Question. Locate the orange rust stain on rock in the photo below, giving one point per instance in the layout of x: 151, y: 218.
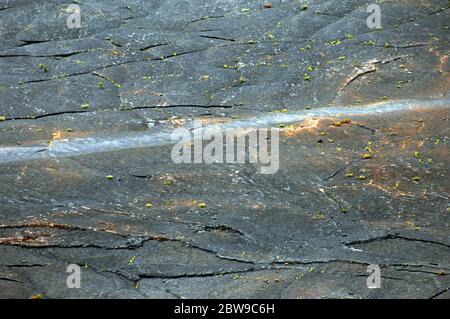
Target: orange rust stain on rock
x: 28, y: 240
x: 442, y: 62
x: 59, y: 135
x: 63, y: 173
x: 307, y: 125
x: 211, y: 120
x: 181, y: 203
x: 108, y: 227
x: 37, y: 225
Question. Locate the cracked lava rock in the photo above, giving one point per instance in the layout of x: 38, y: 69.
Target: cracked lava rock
x: 87, y: 177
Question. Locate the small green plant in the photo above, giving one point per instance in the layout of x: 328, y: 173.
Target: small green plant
x: 43, y: 67
x: 369, y: 42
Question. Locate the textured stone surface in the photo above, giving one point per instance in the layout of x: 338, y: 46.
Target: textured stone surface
x: 145, y: 67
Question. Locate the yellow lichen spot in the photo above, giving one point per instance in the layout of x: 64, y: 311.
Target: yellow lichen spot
x: 202, y: 205
x: 337, y: 124
x: 319, y: 216
x: 362, y: 177
x: 367, y: 156
x: 416, y: 178
x: 149, y: 205
x: 269, y: 35
x: 2, y: 118
x: 109, y: 177
x: 349, y: 174
x: 56, y: 135
x: 346, y: 120
x: 84, y: 106
x: 412, y: 225
x: 205, y: 77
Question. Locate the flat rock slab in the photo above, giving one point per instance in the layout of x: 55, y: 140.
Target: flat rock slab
x: 85, y: 114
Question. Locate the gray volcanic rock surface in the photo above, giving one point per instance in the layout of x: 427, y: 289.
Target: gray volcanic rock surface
x: 84, y: 119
